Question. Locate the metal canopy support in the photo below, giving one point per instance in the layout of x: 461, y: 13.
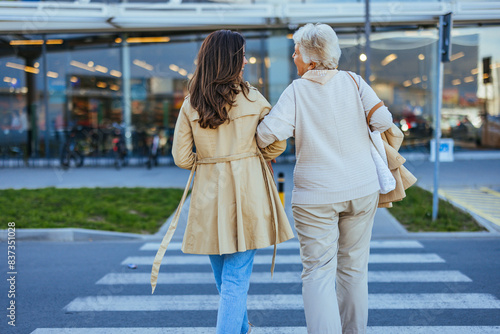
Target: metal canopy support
x: 24, y: 16
x: 32, y: 147
x: 368, y: 29
x: 126, y: 88
x: 46, y: 96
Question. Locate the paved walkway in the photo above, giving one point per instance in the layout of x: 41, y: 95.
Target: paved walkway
x: 484, y: 201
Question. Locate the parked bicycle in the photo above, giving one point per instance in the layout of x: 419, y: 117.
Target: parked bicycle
x: 119, y: 148
x: 154, y: 149
x: 71, y: 151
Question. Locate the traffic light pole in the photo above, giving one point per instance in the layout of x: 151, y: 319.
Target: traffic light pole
x: 437, y: 136
x: 444, y: 50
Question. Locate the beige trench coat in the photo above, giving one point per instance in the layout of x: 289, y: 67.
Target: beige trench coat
x: 231, y: 204
x: 235, y: 205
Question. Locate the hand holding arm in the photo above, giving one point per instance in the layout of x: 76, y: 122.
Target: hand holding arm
x: 274, y: 150
x: 182, y: 147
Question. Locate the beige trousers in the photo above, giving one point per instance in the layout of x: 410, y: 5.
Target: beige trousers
x: 334, y: 248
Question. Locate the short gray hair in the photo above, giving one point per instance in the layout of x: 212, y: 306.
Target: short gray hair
x: 318, y: 43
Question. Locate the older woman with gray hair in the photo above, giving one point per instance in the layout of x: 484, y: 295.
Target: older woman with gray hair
x: 336, y: 187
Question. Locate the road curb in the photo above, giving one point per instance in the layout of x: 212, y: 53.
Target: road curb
x: 491, y: 227
x: 402, y: 233
x: 398, y: 231
x: 81, y: 234
x: 69, y: 234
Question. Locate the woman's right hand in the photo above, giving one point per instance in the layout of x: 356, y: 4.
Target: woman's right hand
x: 269, y: 163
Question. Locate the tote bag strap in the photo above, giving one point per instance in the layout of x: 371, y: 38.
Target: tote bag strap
x: 353, y: 79
x: 379, y: 147
x: 372, y: 110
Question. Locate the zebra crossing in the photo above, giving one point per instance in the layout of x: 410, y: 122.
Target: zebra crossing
x: 273, y: 296
x: 275, y: 330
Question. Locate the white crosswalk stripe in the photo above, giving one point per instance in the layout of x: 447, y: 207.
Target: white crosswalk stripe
x: 187, y: 259
x: 435, y: 330
x: 374, y: 244
x: 282, y: 302
x: 274, y: 330
x: 284, y: 277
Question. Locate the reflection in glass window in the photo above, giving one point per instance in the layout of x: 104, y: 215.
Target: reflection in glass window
x: 86, y: 83
x: 401, y: 74
x: 159, y: 76
x: 14, y: 123
x: 471, y: 103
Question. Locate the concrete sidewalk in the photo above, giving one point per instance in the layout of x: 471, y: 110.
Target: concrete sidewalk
x: 385, y: 226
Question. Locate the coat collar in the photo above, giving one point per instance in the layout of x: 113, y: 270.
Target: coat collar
x: 320, y: 76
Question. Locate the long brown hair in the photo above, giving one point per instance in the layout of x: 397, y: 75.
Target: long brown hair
x: 216, y: 80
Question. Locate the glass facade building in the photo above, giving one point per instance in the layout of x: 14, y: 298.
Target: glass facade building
x: 94, y: 83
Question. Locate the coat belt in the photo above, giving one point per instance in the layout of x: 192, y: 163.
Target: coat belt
x: 173, y: 224
x: 227, y: 158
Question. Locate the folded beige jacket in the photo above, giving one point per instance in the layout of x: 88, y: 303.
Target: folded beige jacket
x: 393, y: 137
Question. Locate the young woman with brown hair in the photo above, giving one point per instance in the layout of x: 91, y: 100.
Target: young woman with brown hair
x: 235, y: 207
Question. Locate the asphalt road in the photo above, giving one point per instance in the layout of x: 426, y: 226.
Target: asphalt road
x: 450, y: 287
x: 459, y: 173
x: 56, y: 288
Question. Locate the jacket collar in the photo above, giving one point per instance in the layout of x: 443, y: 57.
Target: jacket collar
x: 320, y: 76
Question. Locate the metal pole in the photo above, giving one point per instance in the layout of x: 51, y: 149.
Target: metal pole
x: 46, y: 98
x: 437, y: 121
x: 485, y: 133
x: 32, y: 147
x: 358, y: 47
x: 263, y: 69
x: 126, y: 98
x: 368, y: 29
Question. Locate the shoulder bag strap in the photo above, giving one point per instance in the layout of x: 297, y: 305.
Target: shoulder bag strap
x: 372, y: 110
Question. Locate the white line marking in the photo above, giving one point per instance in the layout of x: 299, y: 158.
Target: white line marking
x: 423, y: 276
x: 405, y: 258
x: 433, y: 301
x: 278, y: 302
x: 153, y: 246
x: 376, y: 244
x: 274, y: 330
x: 434, y: 330
x: 282, y: 259
x: 395, y: 244
x: 283, y: 277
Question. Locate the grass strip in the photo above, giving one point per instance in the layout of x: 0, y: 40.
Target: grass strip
x: 415, y: 213
x: 144, y: 210
x: 135, y: 210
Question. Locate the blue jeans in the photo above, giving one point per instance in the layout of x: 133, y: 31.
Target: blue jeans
x: 232, y: 277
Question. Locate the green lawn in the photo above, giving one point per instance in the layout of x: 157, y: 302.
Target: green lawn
x: 415, y: 213
x: 137, y: 210
x: 144, y: 210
